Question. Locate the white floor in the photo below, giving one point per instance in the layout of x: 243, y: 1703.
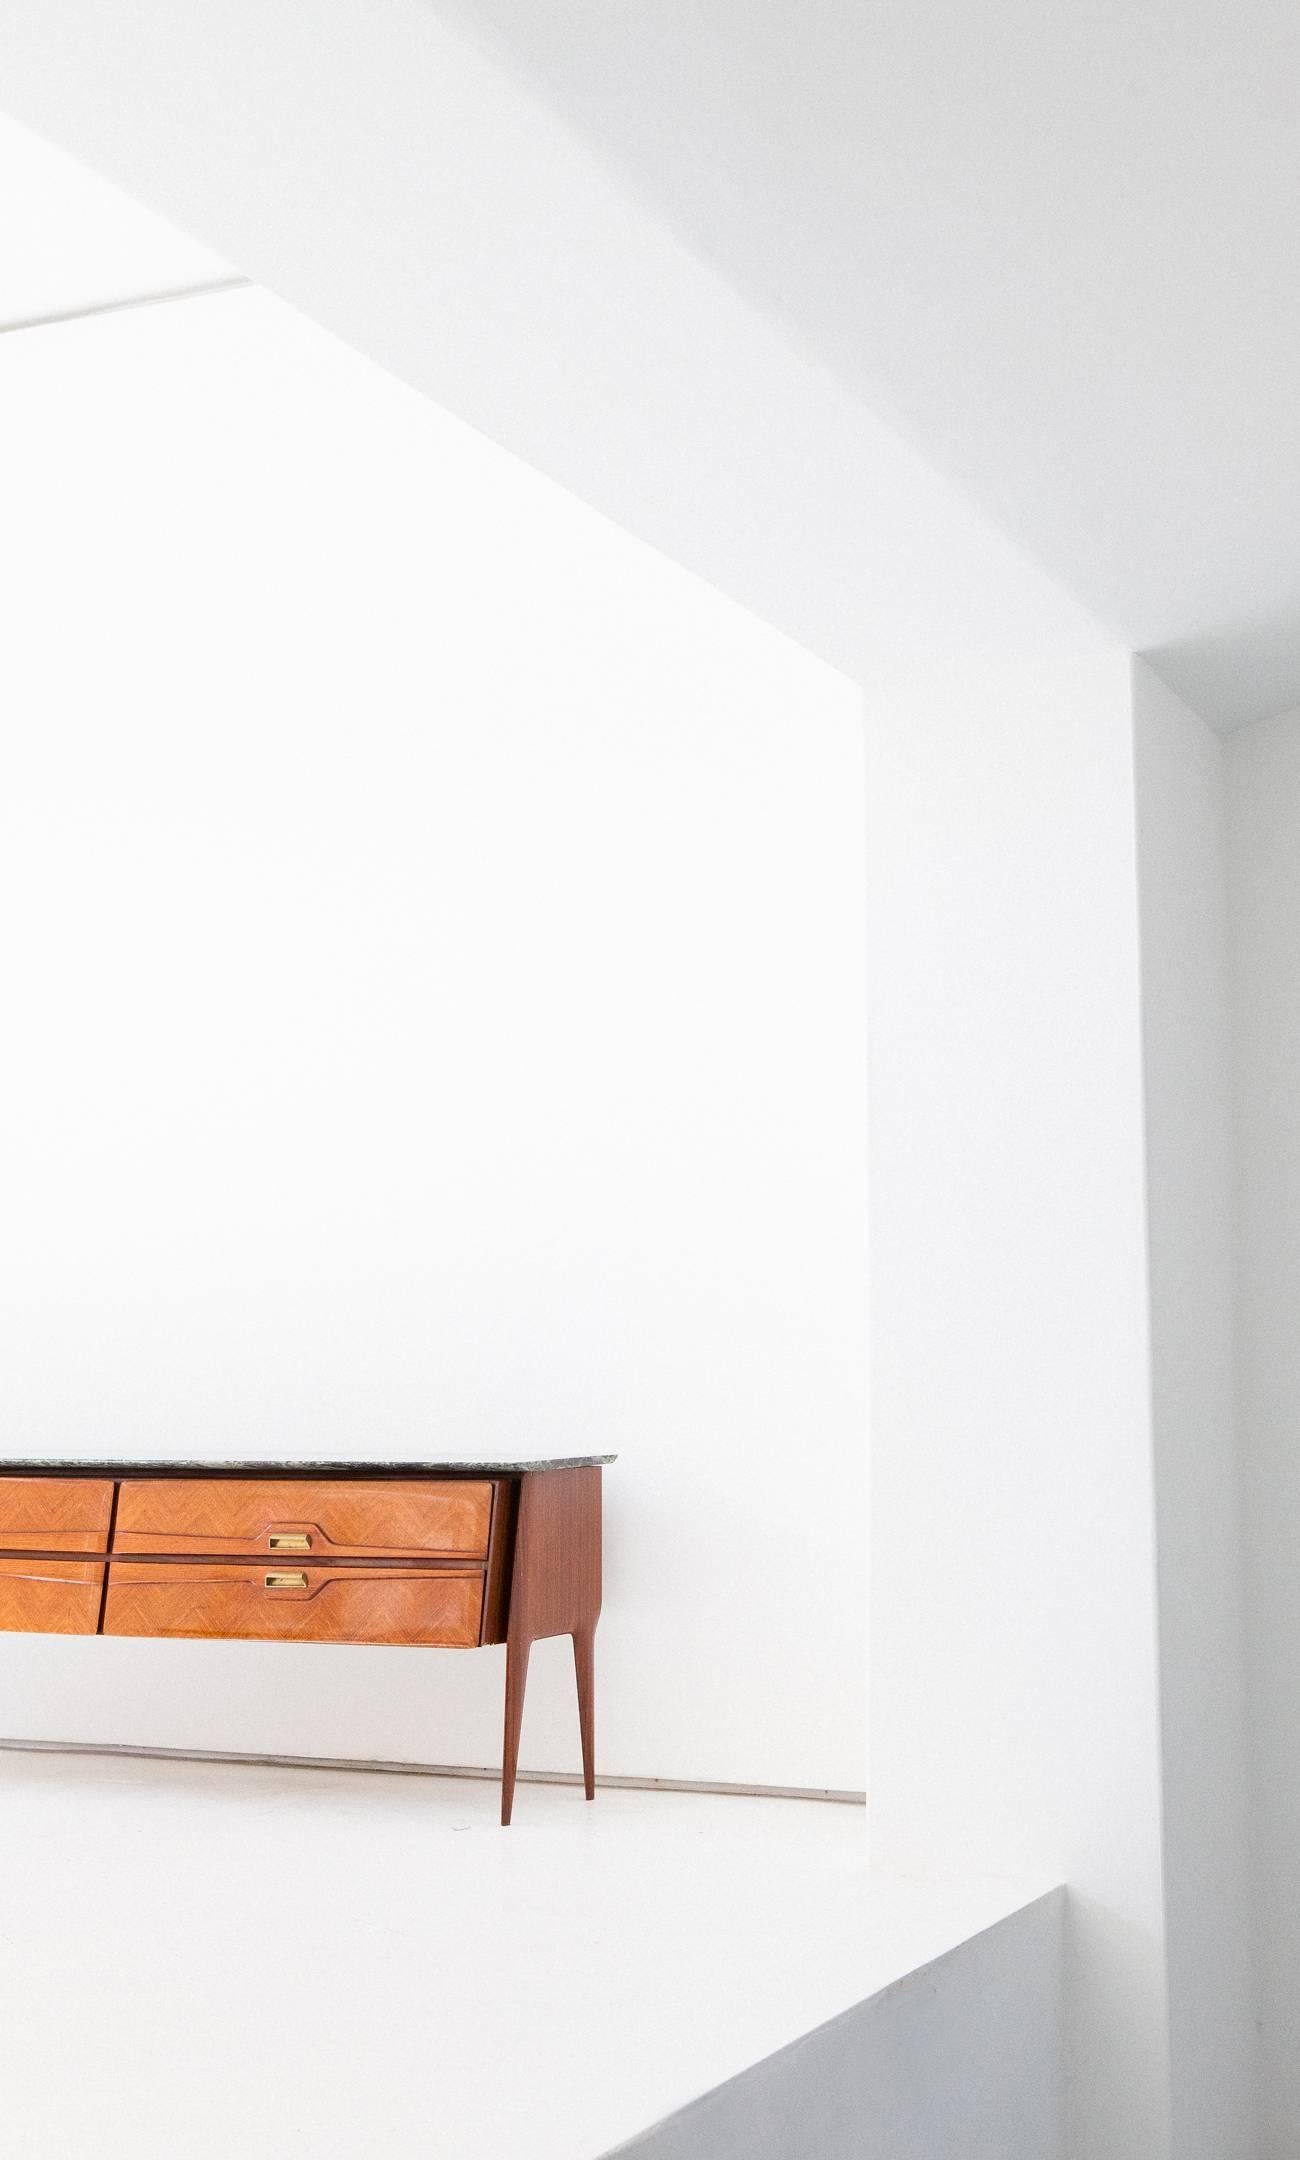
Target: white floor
x: 200, y: 1960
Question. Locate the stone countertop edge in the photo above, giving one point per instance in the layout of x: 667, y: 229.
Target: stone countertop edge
x: 269, y: 1466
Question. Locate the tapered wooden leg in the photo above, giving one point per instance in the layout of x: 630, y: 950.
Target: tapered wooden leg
x: 584, y: 1658
x: 516, y: 1682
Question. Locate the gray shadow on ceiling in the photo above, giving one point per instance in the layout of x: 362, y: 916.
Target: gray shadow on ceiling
x: 1239, y: 673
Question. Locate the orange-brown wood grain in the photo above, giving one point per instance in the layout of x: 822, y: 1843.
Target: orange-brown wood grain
x: 55, y: 1514
x: 357, y: 1519
x: 50, y: 1597
x: 438, y: 1558
x: 232, y: 1600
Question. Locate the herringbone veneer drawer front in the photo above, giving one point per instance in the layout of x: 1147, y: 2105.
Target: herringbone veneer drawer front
x: 50, y: 1597
x: 55, y: 1514
x: 294, y: 1604
x: 292, y: 1517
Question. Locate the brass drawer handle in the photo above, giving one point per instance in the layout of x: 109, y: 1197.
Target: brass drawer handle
x: 286, y: 1582
x: 290, y: 1541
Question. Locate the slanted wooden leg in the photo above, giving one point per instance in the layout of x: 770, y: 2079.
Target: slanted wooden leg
x: 584, y: 1658
x: 516, y: 1681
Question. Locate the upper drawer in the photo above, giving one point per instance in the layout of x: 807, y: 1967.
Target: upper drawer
x: 362, y: 1519
x: 55, y: 1514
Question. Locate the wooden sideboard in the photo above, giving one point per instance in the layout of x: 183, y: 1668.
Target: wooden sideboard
x: 419, y: 1555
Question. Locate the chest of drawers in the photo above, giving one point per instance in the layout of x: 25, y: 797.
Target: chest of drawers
x: 413, y: 1555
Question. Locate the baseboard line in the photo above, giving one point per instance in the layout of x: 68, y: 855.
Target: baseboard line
x: 720, y: 1788
x: 92, y: 308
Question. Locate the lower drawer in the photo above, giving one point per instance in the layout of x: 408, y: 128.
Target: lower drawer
x: 288, y: 1604
x: 50, y: 1597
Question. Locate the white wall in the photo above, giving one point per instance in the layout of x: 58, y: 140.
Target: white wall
x: 434, y: 992
x: 1264, y: 829
x: 370, y: 166
x: 72, y: 241
x: 1182, y: 859
x: 1013, y: 1619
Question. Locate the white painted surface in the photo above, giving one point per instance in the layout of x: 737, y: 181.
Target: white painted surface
x: 959, y: 2061
x: 1013, y: 1670
x: 69, y: 240
x: 289, y: 1969
x: 373, y: 168
x: 399, y: 188
x: 1073, y: 295
x: 1182, y: 862
x: 1072, y: 292
x: 434, y: 984
x: 1264, y: 827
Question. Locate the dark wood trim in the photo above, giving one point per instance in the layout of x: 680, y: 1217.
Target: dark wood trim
x: 447, y: 1565
x: 112, y: 1525
x: 501, y: 1553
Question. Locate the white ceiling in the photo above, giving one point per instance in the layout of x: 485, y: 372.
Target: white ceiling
x: 364, y: 161
x: 70, y: 242
x: 1053, y: 246
x: 1057, y: 245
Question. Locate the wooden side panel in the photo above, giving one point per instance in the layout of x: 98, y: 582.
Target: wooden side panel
x: 555, y: 1588
x: 333, y: 1519
x: 288, y: 1604
x: 55, y: 1514
x: 50, y: 1597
